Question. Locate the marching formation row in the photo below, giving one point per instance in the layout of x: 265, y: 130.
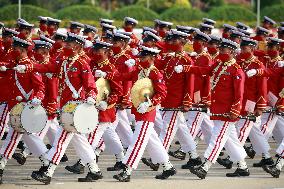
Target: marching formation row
x: 93, y: 87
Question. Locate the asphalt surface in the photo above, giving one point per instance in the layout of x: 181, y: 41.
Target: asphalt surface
x: 16, y: 176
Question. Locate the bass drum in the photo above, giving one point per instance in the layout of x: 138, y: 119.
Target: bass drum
x: 79, y: 117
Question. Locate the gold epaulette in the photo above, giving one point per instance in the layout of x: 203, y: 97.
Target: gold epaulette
x: 237, y: 66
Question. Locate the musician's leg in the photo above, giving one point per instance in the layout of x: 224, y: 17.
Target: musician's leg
x: 278, y: 131
x: 123, y: 128
x: 158, y: 124
x: 53, y: 128
x: 243, y: 127
x: 95, y: 136
x: 194, y: 120
x: 206, y: 128
x: 4, y: 117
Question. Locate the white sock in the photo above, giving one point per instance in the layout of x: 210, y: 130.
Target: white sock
x: 44, y: 161
x: 81, y: 163
x: 266, y: 155
x: 193, y: 154
x: 98, y: 151
x: 206, y: 165
x: 50, y: 170
x: 167, y: 165
x: 26, y: 152
x: 93, y: 167
x: 119, y: 156
x: 3, y: 162
x: 279, y: 163
x: 128, y: 170
x: 242, y: 164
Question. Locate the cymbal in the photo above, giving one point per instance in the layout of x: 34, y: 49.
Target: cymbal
x: 141, y: 89
x: 103, y: 88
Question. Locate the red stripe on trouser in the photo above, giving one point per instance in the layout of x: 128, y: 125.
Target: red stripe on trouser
x: 171, y: 131
x: 2, y: 122
x: 59, y: 141
x: 194, y: 124
x: 60, y: 150
x: 264, y: 126
x: 101, y: 143
x: 136, y: 143
x: 164, y: 114
x: 242, y: 130
x: 13, y: 146
x: 92, y: 135
x: 199, y: 134
x: 282, y: 153
x: 140, y: 145
x: 11, y: 141
x: 220, y: 136
x: 169, y: 127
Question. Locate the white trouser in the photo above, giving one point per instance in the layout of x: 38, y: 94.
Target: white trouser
x: 268, y: 121
x: 123, y: 128
x: 278, y: 131
x: 52, y: 130
x: 258, y: 140
x: 280, y: 149
x: 145, y: 136
x: 82, y: 147
x: 206, y: 128
x: 224, y: 134
x: 158, y: 124
x: 175, y: 124
x: 4, y: 117
x: 244, y: 127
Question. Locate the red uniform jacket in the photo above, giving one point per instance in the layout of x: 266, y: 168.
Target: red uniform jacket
x: 227, y: 87
x: 275, y: 73
x: 160, y: 89
x: 118, y: 61
x: 255, y: 87
x: 79, y: 74
x: 31, y: 83
x: 108, y: 115
x: 180, y: 86
x: 202, y: 82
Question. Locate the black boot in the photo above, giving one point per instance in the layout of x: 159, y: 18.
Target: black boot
x: 117, y: 167
x: 178, y: 154
x: 1, y: 175
x: 122, y: 177
x: 41, y: 177
x: 91, y: 177
x: 227, y: 163
x: 238, y: 173
x: 77, y: 168
x: 191, y: 163
x: 4, y: 135
x: 199, y: 172
x: 250, y: 152
x: 20, y: 158
x: 166, y: 174
x: 268, y: 161
x: 271, y: 169
x: 64, y: 158
x: 150, y: 164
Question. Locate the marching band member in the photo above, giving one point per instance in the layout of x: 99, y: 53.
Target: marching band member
x: 144, y: 136
x: 22, y: 87
x: 52, y: 26
x: 75, y: 83
x: 227, y: 87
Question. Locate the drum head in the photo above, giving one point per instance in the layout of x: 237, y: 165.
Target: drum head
x: 33, y: 118
x: 85, y: 118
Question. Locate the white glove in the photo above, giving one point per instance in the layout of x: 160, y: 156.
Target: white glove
x: 143, y: 107
x: 20, y: 68
x: 3, y: 68
x: 193, y: 54
x: 280, y: 64
x: 251, y: 72
x: 102, y: 105
x: 178, y: 68
x: 100, y: 73
x: 35, y: 101
x: 134, y: 52
x: 130, y: 63
x: 91, y: 101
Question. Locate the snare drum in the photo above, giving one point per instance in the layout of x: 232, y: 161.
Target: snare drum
x: 79, y: 117
x: 25, y: 117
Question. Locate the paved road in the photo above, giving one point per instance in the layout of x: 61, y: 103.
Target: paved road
x: 16, y: 176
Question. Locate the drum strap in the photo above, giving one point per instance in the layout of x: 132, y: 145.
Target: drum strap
x: 68, y: 83
x: 21, y: 89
